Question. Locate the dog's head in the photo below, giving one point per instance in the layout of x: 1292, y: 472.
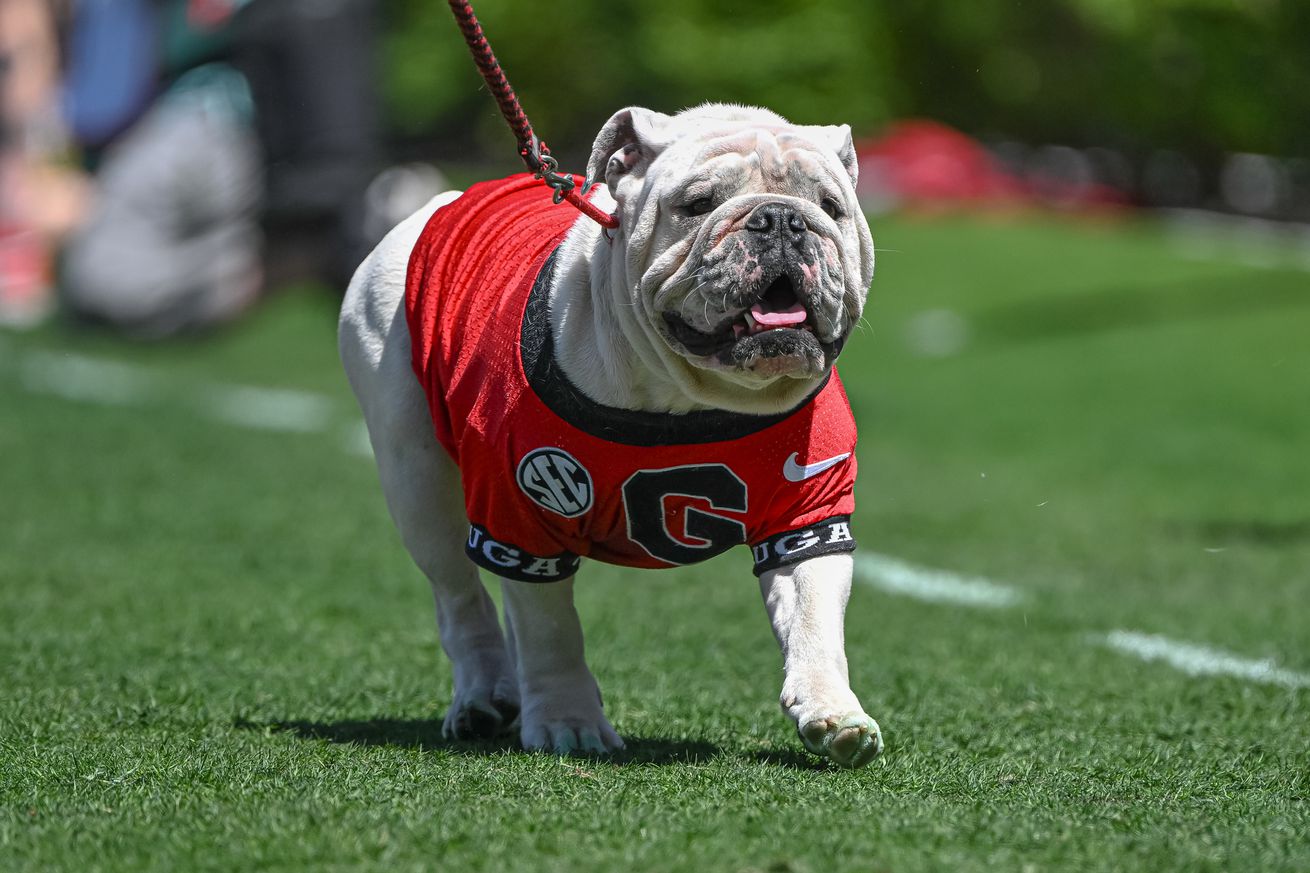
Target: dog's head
x: 746, y: 250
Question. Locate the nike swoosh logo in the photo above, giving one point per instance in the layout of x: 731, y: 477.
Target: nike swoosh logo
x: 794, y: 471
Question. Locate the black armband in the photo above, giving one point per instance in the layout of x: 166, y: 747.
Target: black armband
x: 827, y: 537
x: 511, y: 562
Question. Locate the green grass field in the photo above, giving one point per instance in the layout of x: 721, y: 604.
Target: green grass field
x: 217, y: 656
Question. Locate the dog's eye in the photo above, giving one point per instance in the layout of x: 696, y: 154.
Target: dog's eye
x: 831, y: 206
x: 702, y: 206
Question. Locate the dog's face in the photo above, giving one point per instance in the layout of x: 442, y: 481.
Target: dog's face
x: 746, y: 252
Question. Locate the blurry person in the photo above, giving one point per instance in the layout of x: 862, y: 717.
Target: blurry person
x: 209, y: 125
x: 172, y: 242
x: 41, y: 197
x: 267, y: 130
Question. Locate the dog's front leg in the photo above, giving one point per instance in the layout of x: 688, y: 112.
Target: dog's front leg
x: 807, y: 606
x: 561, y: 702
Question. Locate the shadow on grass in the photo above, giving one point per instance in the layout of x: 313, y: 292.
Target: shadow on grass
x: 792, y: 759
x: 1254, y: 531
x: 425, y: 734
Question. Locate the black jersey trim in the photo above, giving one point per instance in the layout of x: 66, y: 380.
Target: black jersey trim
x: 625, y: 426
x: 828, y: 537
x: 511, y: 562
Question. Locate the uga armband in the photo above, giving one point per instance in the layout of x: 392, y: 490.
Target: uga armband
x: 827, y: 537
x: 511, y: 562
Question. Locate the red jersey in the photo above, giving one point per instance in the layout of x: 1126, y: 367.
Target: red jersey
x: 549, y: 475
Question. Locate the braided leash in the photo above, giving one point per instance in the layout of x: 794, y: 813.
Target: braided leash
x: 533, y: 151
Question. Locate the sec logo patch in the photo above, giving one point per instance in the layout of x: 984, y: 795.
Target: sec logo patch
x: 554, y: 480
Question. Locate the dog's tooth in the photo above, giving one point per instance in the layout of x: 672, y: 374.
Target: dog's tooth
x: 751, y: 326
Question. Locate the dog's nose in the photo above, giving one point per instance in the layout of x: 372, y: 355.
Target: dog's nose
x: 768, y: 217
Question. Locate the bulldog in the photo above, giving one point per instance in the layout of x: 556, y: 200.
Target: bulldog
x: 538, y: 390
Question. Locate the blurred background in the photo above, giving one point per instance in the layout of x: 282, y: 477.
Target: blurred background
x: 167, y: 162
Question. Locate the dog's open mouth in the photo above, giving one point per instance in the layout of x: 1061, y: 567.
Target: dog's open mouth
x: 777, y: 323
x: 777, y: 308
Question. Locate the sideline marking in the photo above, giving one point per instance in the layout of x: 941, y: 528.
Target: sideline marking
x: 940, y: 586
x: 88, y: 380
x: 106, y: 382
x: 1198, y: 660
x: 268, y: 408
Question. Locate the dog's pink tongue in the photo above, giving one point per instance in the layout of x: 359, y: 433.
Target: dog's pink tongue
x: 794, y: 314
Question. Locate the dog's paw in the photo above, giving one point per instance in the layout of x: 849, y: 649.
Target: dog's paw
x: 570, y: 736
x: 851, y: 740
x: 568, y: 721
x: 481, y: 712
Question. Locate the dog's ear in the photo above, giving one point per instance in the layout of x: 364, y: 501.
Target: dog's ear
x: 626, y: 145
x: 838, y: 138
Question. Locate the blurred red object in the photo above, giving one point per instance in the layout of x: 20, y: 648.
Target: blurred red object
x: 210, y: 14
x: 926, y: 164
x: 923, y: 162
x: 25, y: 292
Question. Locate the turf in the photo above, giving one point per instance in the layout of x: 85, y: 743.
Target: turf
x: 217, y: 656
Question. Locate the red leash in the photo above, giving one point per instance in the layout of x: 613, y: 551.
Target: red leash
x: 533, y: 152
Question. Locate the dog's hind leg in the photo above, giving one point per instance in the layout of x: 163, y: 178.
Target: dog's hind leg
x: 422, y: 485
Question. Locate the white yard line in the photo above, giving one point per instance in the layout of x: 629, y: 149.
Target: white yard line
x: 939, y: 586
x: 1197, y: 660
x: 278, y: 409
x: 87, y: 379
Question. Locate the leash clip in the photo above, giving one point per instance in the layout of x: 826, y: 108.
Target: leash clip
x: 545, y: 168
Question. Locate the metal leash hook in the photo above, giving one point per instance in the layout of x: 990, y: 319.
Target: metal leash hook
x: 533, y: 151
x: 536, y: 154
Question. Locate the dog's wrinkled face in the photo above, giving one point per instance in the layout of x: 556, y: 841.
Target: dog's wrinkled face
x: 746, y: 247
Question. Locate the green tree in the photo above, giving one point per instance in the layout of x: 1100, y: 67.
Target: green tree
x: 1197, y: 75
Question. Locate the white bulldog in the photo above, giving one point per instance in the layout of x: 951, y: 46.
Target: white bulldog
x: 739, y: 269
